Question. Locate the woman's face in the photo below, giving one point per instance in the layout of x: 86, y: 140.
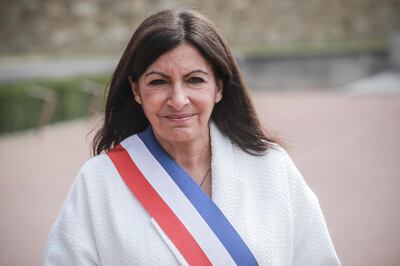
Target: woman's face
x: 177, y: 93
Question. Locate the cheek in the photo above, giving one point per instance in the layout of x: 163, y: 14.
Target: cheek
x: 152, y: 103
x: 206, y: 102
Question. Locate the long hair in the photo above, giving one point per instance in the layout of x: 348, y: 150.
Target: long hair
x: 234, y: 115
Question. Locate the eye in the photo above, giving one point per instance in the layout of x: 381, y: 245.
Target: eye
x: 195, y: 80
x: 156, y: 82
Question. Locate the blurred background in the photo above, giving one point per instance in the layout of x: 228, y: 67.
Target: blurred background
x: 325, y: 76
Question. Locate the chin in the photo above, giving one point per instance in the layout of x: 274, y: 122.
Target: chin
x: 179, y: 134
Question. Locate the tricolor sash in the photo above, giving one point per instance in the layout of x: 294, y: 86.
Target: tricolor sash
x: 189, y: 221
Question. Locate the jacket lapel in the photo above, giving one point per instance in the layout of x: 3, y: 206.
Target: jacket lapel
x: 227, y: 192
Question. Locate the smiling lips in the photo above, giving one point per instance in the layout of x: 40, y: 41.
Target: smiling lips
x: 179, y: 117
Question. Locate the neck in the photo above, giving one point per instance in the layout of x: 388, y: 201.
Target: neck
x: 194, y: 155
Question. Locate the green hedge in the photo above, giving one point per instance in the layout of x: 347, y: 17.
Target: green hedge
x: 315, y: 49
x: 20, y: 110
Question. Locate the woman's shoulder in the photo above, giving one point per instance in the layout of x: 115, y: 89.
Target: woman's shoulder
x: 224, y: 145
x: 275, y: 165
x: 95, y: 162
x: 224, y: 152
x: 278, y: 157
x: 275, y: 155
x: 95, y: 170
x: 95, y: 180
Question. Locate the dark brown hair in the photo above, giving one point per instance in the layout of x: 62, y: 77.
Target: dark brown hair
x: 234, y: 115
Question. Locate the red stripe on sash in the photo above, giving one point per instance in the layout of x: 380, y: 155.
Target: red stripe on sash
x: 157, y: 208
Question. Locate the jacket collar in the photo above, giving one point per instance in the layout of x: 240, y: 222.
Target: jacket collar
x: 227, y: 188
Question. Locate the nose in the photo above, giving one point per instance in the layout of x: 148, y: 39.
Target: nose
x: 178, y: 97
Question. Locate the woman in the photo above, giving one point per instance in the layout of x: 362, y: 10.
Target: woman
x: 185, y: 173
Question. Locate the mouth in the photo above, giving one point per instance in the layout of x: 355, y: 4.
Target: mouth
x: 178, y: 117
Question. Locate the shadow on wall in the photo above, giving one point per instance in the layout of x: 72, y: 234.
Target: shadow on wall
x: 310, y: 72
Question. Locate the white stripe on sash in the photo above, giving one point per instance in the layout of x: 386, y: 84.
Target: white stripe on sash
x: 177, y: 201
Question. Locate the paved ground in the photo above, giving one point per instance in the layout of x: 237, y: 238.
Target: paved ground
x: 346, y: 145
x: 348, y: 149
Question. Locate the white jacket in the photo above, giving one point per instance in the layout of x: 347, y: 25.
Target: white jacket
x: 265, y: 198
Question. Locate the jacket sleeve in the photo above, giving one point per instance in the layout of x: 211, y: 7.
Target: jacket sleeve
x: 71, y: 240
x: 312, y: 243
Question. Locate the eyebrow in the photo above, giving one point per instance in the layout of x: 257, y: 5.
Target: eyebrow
x: 166, y: 76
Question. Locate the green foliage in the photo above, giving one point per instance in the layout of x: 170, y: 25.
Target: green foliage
x: 21, y: 108
x: 318, y: 49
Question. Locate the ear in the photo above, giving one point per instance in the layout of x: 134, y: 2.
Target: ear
x: 135, y: 90
x: 220, y: 88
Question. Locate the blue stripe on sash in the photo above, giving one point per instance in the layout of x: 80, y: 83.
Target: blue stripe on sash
x: 217, y: 221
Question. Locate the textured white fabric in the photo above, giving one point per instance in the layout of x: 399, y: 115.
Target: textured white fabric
x: 265, y: 198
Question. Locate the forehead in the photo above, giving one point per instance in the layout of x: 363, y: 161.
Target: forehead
x: 184, y: 57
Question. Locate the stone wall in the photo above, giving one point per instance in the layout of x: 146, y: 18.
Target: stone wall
x: 104, y: 26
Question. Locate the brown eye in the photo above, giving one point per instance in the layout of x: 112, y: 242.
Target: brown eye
x: 196, y: 80
x: 156, y: 82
